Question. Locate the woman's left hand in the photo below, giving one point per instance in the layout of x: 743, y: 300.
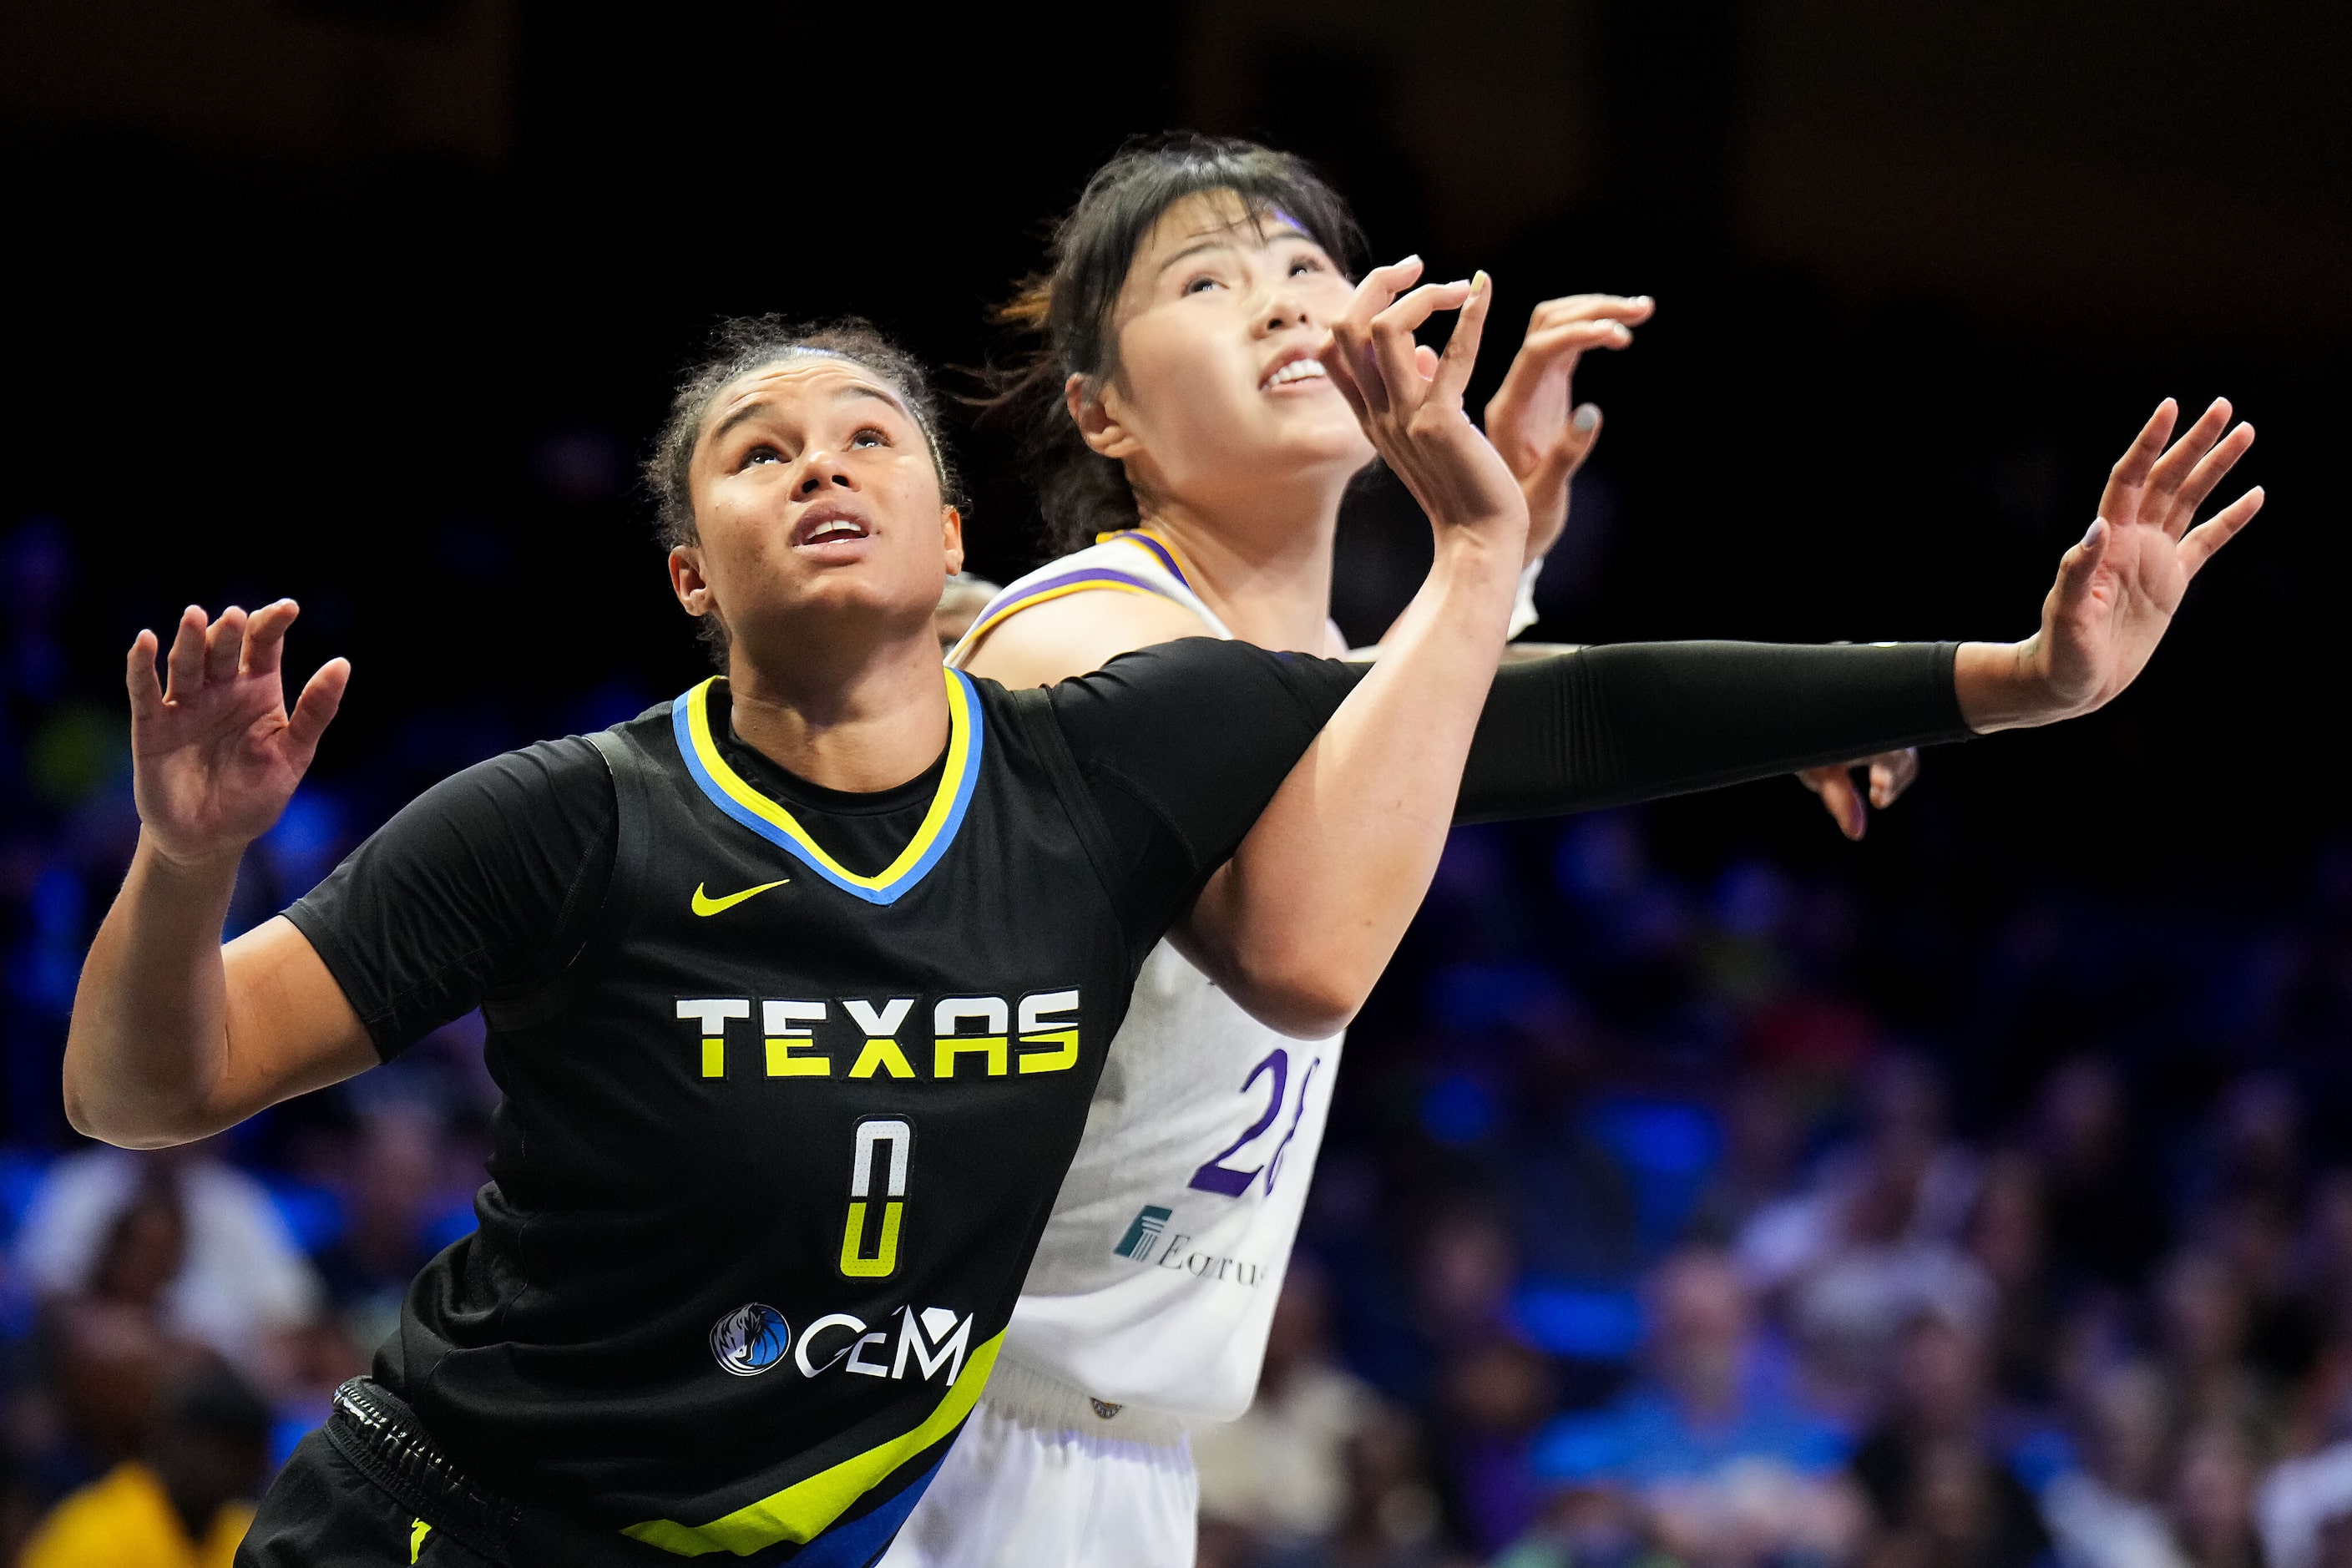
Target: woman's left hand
x: 2117, y: 590
x: 1533, y: 420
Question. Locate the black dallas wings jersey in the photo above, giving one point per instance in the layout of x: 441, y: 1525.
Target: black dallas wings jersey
x: 777, y: 1147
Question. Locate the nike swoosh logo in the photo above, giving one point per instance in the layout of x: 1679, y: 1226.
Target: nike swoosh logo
x: 704, y: 904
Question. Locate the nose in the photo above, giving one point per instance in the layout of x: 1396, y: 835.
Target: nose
x: 1284, y: 308
x: 821, y: 468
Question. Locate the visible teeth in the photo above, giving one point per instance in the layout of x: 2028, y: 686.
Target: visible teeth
x: 1297, y: 370
x: 828, y: 530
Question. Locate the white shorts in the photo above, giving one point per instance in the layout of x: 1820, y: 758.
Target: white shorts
x: 1040, y: 1479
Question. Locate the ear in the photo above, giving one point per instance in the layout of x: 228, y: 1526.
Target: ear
x: 1098, y: 422
x: 687, y: 581
x: 951, y: 534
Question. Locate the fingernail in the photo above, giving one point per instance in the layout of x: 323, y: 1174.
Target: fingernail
x: 1587, y: 417
x: 1642, y: 300
x: 2091, y: 539
x: 1480, y: 280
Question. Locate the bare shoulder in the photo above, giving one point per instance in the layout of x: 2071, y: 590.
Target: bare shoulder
x: 1078, y: 633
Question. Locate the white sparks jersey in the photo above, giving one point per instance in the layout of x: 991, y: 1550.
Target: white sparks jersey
x: 1155, y: 1282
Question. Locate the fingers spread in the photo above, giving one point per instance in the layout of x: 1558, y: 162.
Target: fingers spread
x: 2208, y: 472
x: 2131, y: 470
x: 1461, y: 357
x: 2172, y: 469
x: 2080, y: 565
x: 224, y: 645
x: 139, y: 674
x: 321, y: 696
x: 1392, y: 341
x: 187, y: 663
x: 265, y: 637
x: 1631, y: 309
x: 2203, y: 540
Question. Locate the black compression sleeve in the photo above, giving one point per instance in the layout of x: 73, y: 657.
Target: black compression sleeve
x: 485, y: 884
x: 1607, y: 726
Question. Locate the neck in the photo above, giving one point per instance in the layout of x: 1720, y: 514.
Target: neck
x: 1262, y: 562
x: 868, y: 724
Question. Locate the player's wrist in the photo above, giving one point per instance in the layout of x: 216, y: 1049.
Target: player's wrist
x: 2008, y: 686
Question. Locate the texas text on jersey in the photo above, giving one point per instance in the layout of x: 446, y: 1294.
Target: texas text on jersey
x: 660, y: 1327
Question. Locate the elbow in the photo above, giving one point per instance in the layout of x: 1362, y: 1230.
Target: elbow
x: 1304, y: 996
x: 111, y: 1120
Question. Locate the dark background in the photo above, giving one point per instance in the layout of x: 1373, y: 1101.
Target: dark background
x: 374, y: 302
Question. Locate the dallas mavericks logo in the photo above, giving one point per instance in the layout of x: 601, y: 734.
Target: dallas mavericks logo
x: 1146, y: 1230
x: 750, y: 1338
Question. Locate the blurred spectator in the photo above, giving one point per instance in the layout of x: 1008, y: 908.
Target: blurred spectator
x: 111, y: 1347
x: 960, y: 603
x: 2109, y: 1513
x: 1277, y: 1478
x: 185, y: 1505
x: 2104, y: 1225
x: 1494, y: 1397
x: 2214, y: 1497
x: 241, y: 1278
x: 1723, y: 1466
x: 2299, y: 1501
x: 389, y: 1196
x: 2201, y: 1313
x: 1875, y: 1242
x: 1939, y: 1494
x: 2007, y: 1240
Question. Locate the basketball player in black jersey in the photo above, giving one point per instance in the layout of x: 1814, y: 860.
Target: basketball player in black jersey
x: 797, y: 986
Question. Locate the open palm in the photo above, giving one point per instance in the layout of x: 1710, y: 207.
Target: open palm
x: 215, y: 757
x: 2117, y: 590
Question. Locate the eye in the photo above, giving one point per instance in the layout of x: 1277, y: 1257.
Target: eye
x: 871, y: 436
x: 762, y: 453
x: 1202, y: 284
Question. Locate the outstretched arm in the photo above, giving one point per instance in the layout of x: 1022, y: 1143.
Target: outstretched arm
x: 1300, y: 922
x: 1636, y: 721
x: 174, y: 1037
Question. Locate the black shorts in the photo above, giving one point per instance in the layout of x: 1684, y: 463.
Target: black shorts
x: 321, y: 1512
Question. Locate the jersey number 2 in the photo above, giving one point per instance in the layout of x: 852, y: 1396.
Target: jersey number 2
x: 1216, y: 1176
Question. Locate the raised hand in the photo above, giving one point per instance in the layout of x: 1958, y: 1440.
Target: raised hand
x: 2117, y: 590
x: 1409, y: 399
x: 215, y: 757
x: 1532, y: 419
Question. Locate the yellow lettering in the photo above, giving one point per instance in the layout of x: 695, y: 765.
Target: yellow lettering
x: 781, y: 1063
x: 852, y: 1236
x: 1061, y: 1061
x: 945, y: 1051
x: 714, y: 1056
x: 884, y: 1054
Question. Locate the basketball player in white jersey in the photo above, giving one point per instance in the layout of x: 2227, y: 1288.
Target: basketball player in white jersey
x: 1203, y: 447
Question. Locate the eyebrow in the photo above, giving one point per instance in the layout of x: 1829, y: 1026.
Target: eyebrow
x: 760, y: 405
x: 1223, y: 241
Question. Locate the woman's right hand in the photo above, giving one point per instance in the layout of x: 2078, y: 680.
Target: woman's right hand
x: 1409, y: 400
x: 215, y: 756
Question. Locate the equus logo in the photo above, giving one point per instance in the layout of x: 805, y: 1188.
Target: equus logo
x: 1148, y: 1223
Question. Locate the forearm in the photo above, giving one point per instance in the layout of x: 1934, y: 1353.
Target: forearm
x: 1607, y: 726
x: 150, y: 1026
x: 1310, y: 908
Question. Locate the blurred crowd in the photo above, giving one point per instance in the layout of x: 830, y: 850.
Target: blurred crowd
x: 1717, y: 1212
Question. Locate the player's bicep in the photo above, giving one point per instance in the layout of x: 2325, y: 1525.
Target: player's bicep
x: 290, y: 1028
x: 1077, y: 634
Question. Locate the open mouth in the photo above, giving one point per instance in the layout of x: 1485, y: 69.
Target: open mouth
x: 830, y: 524
x: 1290, y: 371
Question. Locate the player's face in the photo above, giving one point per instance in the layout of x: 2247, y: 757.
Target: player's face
x: 1217, y: 390
x: 817, y: 502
